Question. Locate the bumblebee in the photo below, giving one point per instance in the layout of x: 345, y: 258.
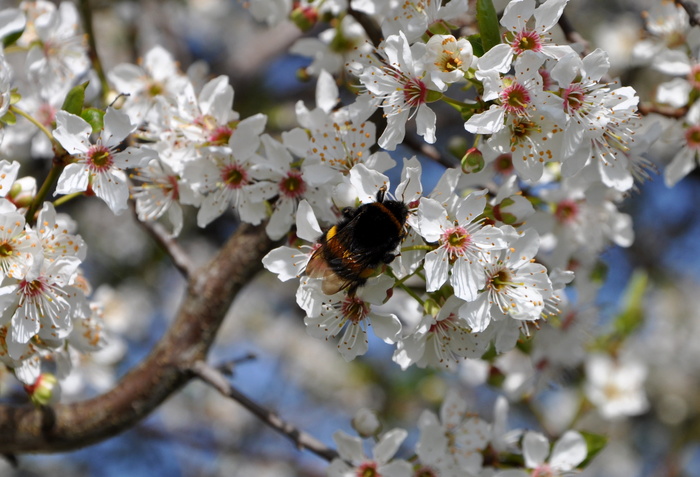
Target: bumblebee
x: 364, y: 238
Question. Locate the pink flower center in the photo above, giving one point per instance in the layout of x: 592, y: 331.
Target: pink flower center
x: 456, y: 241
x: 692, y: 137
x: 544, y: 470
x: 443, y: 326
x: 515, y: 98
x: 220, y: 135
x: 99, y: 158
x: 573, y: 97
x: 234, y: 176
x: 414, y: 92
x: 33, y: 288
x: 526, y: 40
x: 566, y: 211
x: 292, y: 185
x: 354, y: 310
x: 368, y: 469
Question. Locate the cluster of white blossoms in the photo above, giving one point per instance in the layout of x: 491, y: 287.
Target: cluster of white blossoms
x: 555, y: 153
x: 456, y: 443
x: 486, y: 254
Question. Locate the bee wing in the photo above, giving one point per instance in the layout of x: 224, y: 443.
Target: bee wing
x: 319, y: 268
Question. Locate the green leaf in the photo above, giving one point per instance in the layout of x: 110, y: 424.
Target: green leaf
x: 487, y: 19
x: 595, y: 443
x: 477, y: 46
x: 75, y: 99
x: 94, y: 117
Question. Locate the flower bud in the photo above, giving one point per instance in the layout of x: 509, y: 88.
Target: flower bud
x: 473, y: 161
x: 304, y: 17
x: 366, y: 423
x: 45, y: 390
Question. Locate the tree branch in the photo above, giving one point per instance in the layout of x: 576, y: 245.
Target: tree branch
x: 374, y: 33
x: 571, y: 35
x: 668, y: 111
x: 218, y: 381
x: 210, y: 293
x: 693, y: 10
x: 180, y: 258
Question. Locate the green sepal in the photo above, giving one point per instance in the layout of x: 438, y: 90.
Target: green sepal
x: 487, y: 19
x: 594, y: 443
x: 15, y: 96
x: 12, y: 38
x: 9, y: 118
x: 94, y: 117
x: 75, y: 99
x: 477, y: 46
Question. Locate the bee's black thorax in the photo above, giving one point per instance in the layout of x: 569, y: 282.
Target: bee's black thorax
x: 364, y: 239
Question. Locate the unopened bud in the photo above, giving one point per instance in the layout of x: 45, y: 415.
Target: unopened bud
x: 304, y: 17
x: 473, y: 161
x: 366, y: 423
x: 45, y: 390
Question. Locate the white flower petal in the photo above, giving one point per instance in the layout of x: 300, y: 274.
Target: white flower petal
x: 569, y: 451
x: 535, y: 449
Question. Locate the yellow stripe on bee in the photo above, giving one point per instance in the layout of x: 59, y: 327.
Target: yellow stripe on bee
x: 331, y: 232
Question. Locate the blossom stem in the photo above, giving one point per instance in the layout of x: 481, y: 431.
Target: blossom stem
x: 457, y: 104
x: 417, y: 272
x: 413, y: 294
x: 33, y: 120
x: 51, y: 178
x: 66, y: 198
x: 402, y: 285
x: 411, y: 248
x: 86, y: 14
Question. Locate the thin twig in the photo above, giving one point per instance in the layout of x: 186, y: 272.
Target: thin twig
x: 571, y: 35
x: 228, y: 367
x: 374, y: 33
x: 86, y: 15
x: 177, y: 254
x: 218, y: 381
x: 693, y: 10
x: 668, y: 111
